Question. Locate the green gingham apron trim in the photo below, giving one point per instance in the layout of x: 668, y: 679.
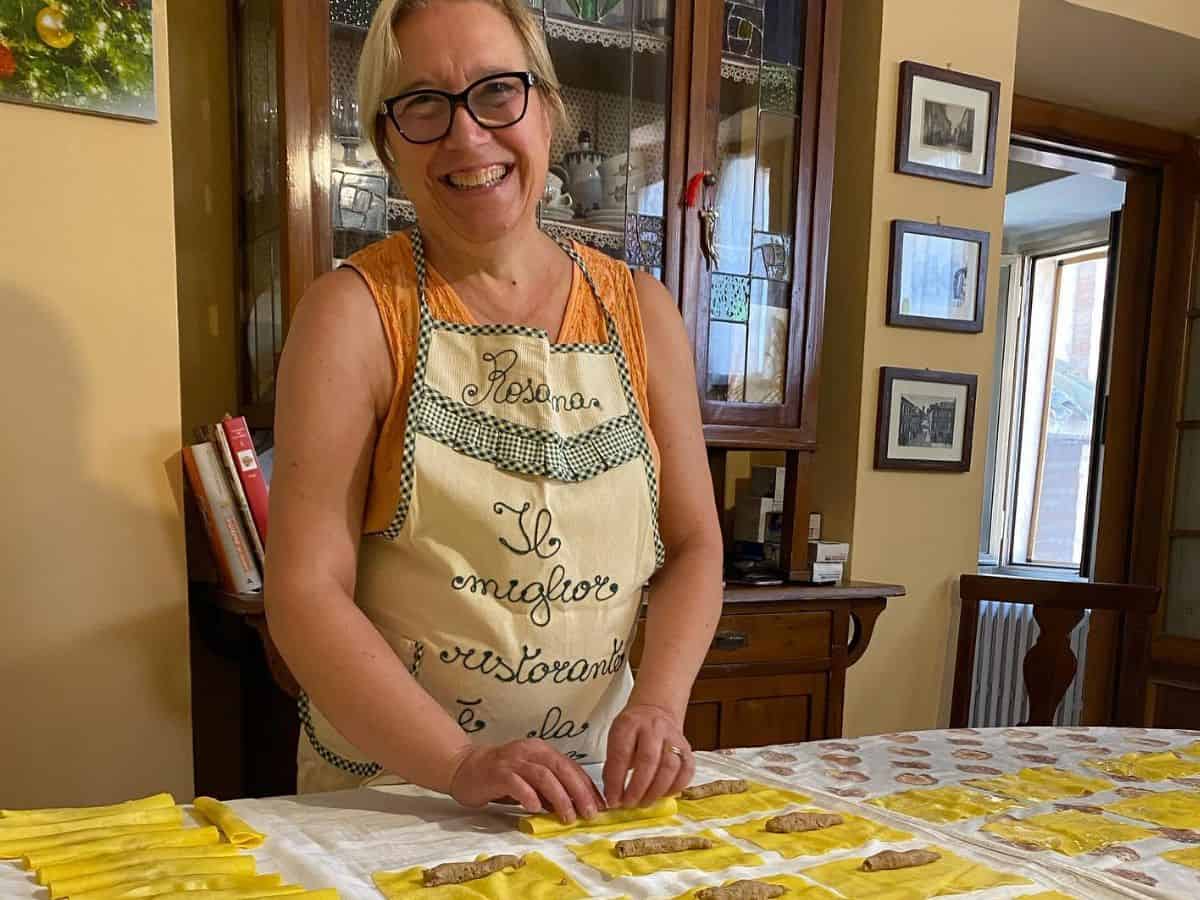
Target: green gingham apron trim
x: 516, y: 448
x: 354, y: 767
x: 419, y: 388
x: 361, y: 769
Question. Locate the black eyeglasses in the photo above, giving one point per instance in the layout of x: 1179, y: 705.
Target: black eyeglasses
x: 425, y: 115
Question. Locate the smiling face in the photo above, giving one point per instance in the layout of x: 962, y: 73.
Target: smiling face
x: 475, y: 183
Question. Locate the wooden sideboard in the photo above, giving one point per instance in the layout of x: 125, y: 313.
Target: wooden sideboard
x: 776, y: 673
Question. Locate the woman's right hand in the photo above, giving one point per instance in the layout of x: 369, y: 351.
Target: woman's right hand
x: 532, y: 773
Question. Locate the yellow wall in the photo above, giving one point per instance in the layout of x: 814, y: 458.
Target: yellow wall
x: 94, y: 695
x: 918, y: 529
x: 1182, y: 16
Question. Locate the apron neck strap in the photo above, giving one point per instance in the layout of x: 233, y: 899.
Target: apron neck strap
x: 418, y: 251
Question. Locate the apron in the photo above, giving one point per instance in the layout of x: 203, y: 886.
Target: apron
x: 510, y: 578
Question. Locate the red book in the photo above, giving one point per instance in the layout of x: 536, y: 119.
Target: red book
x: 250, y: 474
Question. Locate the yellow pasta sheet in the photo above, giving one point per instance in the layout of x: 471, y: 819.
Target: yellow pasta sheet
x: 600, y: 855
x: 1147, y: 766
x: 944, y: 804
x: 235, y: 829
x: 228, y: 865
x: 69, y: 813
x: 1041, y: 784
x: 1174, y: 809
x: 660, y: 813
x: 129, y: 843
x: 26, y: 846
x: 1070, y: 832
x: 251, y: 885
x: 538, y: 879
x: 853, y: 832
x: 758, y: 798
x: 95, y: 864
x: 1192, y: 749
x: 1189, y: 857
x: 949, y: 875
x: 797, y: 889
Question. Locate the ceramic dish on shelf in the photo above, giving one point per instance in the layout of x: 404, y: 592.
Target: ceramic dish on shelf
x: 557, y: 213
x: 611, y: 220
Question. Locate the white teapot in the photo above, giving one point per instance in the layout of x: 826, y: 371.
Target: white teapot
x: 583, y: 169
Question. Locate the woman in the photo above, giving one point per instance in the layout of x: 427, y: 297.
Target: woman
x: 464, y: 514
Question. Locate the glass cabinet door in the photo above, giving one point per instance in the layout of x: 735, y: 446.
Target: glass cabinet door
x: 365, y: 205
x: 749, y: 317
x: 608, y: 172
x: 260, y: 305
x: 607, y: 180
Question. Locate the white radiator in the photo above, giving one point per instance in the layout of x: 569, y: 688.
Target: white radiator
x: 1006, y: 632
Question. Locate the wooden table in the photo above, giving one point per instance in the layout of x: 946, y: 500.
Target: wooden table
x: 776, y: 673
x: 340, y: 839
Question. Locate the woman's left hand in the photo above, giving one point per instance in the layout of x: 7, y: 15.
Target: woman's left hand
x: 648, y: 739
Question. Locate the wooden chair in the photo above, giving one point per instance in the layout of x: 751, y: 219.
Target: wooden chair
x: 1050, y: 664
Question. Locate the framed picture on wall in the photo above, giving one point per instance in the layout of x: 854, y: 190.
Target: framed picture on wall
x: 925, y: 420
x: 947, y: 125
x: 89, y: 56
x: 938, y: 276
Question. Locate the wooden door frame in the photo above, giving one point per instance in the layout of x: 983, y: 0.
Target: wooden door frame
x: 1146, y: 357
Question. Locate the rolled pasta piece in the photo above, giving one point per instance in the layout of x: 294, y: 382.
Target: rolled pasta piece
x: 649, y: 845
x: 68, y: 813
x: 225, y: 865
x: 802, y: 821
x: 545, y: 825
x: 899, y: 859
x: 127, y: 843
x: 95, y: 864
x: 715, y: 788
x: 743, y: 890
x: 193, y: 884
x: 10, y: 834
x: 13, y: 849
x: 459, y: 872
x: 232, y: 826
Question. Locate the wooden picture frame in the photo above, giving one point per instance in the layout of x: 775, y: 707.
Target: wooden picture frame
x: 951, y: 125
x: 914, y: 434
x: 961, y: 283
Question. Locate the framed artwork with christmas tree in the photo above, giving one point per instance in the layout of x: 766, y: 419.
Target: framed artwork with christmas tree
x: 91, y: 56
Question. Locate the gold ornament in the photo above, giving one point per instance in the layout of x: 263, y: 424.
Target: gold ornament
x: 52, y: 28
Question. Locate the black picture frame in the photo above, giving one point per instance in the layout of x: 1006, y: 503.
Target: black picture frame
x: 896, y: 316
x: 909, y: 70
x: 884, y: 426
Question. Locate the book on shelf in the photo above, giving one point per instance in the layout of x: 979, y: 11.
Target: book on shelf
x: 214, y: 435
x: 250, y: 474
x: 231, y: 546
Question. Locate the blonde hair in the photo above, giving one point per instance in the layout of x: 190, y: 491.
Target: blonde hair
x: 380, y: 68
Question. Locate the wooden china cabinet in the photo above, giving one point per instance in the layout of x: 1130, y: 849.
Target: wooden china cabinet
x: 699, y: 115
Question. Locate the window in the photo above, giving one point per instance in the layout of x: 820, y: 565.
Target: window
x: 1040, y: 443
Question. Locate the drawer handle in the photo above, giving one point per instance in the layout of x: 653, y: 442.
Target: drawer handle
x: 730, y: 640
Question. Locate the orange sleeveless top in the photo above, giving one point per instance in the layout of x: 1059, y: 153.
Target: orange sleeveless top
x: 387, y: 268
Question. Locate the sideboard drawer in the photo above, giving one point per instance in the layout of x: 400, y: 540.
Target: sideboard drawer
x: 763, y: 638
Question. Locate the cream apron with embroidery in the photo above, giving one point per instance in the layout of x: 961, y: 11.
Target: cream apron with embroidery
x: 510, y: 578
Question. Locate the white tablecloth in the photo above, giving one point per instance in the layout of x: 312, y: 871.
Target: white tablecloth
x: 339, y: 839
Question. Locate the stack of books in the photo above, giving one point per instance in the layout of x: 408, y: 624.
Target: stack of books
x: 826, y: 563
x: 231, y: 494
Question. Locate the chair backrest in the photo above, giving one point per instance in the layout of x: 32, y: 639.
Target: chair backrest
x: 1050, y: 664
